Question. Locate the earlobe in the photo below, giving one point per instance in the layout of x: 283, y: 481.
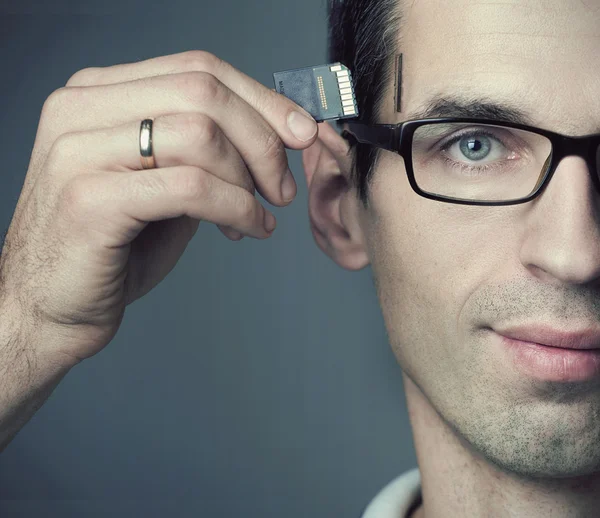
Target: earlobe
x: 333, y: 210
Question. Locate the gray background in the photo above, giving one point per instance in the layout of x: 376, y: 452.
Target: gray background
x: 256, y: 380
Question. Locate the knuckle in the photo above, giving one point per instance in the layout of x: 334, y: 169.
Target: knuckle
x: 64, y: 149
x: 273, y: 149
x: 85, y: 76
x: 74, y: 196
x: 193, y: 184
x: 200, y: 129
x: 247, y: 207
x: 209, y: 88
x: 54, y: 101
x: 200, y: 60
x: 203, y: 88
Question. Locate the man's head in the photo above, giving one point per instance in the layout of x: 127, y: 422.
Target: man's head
x: 447, y: 274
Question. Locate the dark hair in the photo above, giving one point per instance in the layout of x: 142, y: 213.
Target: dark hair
x: 363, y: 36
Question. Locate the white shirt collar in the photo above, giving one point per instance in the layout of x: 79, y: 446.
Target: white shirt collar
x: 397, y: 497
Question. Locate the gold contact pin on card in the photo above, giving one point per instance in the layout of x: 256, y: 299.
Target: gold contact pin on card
x: 322, y: 92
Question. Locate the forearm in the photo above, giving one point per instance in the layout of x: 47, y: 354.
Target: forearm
x: 27, y: 376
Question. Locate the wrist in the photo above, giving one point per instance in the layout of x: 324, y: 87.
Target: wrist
x: 20, y: 335
x: 30, y: 371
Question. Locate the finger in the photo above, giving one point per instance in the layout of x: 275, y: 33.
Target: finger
x: 119, y: 206
x: 259, y: 144
x: 178, y: 139
x: 274, y: 107
x: 195, y: 139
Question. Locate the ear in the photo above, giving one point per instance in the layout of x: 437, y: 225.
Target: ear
x: 333, y: 208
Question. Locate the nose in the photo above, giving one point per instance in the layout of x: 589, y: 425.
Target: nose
x: 561, y: 243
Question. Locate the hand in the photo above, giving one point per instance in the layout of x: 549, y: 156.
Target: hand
x: 93, y: 231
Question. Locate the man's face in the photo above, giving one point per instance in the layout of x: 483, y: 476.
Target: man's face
x: 447, y: 273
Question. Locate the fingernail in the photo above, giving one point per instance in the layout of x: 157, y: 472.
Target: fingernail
x: 288, y: 186
x: 270, y: 222
x: 301, y: 126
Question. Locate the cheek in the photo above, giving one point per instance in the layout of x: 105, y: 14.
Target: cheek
x: 414, y: 240
x: 428, y: 258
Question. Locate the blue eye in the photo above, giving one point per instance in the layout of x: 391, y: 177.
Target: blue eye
x: 475, y: 148
x: 475, y: 145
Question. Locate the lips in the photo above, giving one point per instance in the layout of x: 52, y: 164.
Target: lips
x: 588, y: 338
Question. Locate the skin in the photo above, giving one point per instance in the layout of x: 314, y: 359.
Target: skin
x: 92, y: 233
x: 490, y: 441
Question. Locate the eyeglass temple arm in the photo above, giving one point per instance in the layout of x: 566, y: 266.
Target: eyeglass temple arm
x: 381, y: 135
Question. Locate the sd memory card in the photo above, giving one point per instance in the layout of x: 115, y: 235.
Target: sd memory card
x: 325, y: 91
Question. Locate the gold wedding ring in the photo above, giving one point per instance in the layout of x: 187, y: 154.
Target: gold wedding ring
x: 146, y: 144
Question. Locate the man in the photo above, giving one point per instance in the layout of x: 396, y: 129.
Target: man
x: 483, y: 238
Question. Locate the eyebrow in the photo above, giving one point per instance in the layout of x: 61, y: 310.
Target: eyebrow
x: 440, y: 105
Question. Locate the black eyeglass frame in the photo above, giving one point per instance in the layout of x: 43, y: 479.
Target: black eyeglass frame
x: 399, y: 137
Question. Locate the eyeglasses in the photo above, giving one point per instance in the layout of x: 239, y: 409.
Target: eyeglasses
x: 478, y: 161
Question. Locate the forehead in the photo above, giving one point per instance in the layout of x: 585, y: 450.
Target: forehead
x: 545, y: 54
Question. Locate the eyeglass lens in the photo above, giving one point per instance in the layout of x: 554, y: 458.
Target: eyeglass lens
x: 479, y: 162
